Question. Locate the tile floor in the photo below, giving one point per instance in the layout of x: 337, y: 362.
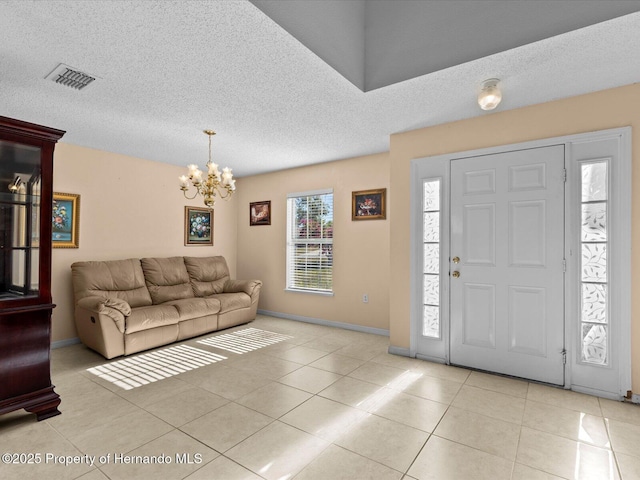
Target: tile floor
x: 323, y: 404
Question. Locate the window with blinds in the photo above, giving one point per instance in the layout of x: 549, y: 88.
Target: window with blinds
x: 310, y: 241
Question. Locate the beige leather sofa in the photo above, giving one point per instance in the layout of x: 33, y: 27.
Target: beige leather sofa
x: 126, y: 306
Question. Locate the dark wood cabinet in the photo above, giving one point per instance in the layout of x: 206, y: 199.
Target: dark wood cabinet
x: 26, y: 179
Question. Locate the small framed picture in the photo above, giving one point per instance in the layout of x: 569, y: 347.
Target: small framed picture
x: 198, y: 226
x: 260, y: 213
x: 369, y: 204
x: 65, y: 218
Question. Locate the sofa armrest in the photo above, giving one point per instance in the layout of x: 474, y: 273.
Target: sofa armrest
x: 114, y: 308
x: 250, y: 287
x: 101, y: 332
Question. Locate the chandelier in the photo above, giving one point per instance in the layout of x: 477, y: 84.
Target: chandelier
x: 215, y: 184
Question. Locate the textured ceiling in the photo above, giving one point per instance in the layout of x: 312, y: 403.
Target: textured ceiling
x: 167, y: 70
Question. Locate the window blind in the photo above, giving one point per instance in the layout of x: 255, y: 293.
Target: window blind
x: 310, y: 241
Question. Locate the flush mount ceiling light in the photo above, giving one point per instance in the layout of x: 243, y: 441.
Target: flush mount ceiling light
x: 490, y: 95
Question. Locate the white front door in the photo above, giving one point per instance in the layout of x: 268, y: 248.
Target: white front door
x: 507, y: 245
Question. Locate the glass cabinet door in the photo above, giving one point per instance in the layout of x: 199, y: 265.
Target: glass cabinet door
x: 20, y: 191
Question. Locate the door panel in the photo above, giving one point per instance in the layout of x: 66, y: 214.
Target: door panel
x: 507, y: 227
x: 527, y: 177
x: 479, y: 182
x: 479, y: 320
x: 527, y: 320
x: 480, y: 240
x: 527, y: 233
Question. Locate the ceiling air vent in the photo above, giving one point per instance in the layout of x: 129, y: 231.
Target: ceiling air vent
x: 69, y: 76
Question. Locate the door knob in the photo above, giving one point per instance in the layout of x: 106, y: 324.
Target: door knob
x: 455, y: 274
x: 455, y: 259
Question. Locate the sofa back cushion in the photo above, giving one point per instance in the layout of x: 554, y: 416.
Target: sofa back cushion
x: 208, y: 274
x: 121, y: 279
x: 167, y: 279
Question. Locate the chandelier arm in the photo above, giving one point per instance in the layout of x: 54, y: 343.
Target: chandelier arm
x: 224, y: 194
x: 188, y: 197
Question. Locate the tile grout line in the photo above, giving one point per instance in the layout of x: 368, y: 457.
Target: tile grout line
x: 608, y: 430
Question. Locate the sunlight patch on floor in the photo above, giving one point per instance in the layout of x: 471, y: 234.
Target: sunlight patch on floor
x: 153, y: 366
x: 244, y: 341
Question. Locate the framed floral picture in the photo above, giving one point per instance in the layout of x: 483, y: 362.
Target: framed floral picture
x: 260, y: 213
x: 198, y: 226
x: 65, y: 218
x: 369, y: 204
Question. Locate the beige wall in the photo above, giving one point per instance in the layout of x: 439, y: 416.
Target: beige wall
x: 597, y: 111
x: 361, y: 248
x: 129, y: 207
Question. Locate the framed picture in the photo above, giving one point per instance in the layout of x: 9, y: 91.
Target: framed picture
x: 198, y: 226
x: 369, y: 204
x: 260, y: 213
x: 65, y: 220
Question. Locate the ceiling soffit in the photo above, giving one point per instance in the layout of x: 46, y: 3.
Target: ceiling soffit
x: 376, y: 43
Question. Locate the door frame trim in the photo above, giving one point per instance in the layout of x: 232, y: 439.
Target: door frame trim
x: 439, y: 166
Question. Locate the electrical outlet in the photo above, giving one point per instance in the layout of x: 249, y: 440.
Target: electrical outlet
x: 365, y: 298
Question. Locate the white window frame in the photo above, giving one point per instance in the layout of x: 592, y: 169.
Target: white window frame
x: 291, y: 241
x: 435, y: 349
x: 612, y: 380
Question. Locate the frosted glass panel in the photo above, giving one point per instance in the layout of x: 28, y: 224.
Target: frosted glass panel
x: 594, y: 182
x: 432, y: 289
x: 594, y: 262
x: 594, y: 303
x: 594, y: 222
x: 431, y: 227
x: 431, y: 258
x: 431, y: 194
x: 594, y: 344
x: 593, y: 234
x: 431, y: 321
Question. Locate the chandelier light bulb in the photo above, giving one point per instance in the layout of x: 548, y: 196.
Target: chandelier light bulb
x: 490, y: 95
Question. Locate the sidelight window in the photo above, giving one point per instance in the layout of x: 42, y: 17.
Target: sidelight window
x: 431, y: 258
x: 594, y: 319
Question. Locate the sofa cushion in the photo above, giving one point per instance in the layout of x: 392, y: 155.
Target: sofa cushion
x: 232, y: 301
x: 167, y: 279
x: 208, y: 274
x: 144, y: 318
x: 189, y: 308
x: 123, y: 279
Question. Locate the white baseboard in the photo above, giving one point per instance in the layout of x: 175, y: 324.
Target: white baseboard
x: 403, y: 352
x: 65, y: 343
x: 635, y: 398
x: 326, y: 323
x: 431, y: 359
x: 596, y: 393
